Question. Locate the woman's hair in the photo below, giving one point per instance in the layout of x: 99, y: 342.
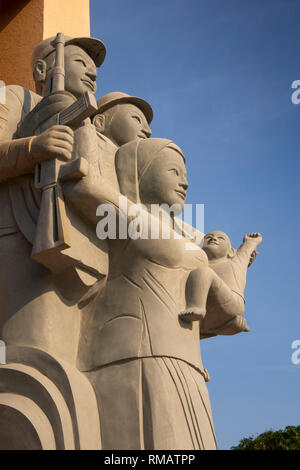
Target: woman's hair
x: 134, y: 159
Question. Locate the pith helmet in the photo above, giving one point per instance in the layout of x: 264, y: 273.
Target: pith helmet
x: 93, y: 47
x: 116, y: 97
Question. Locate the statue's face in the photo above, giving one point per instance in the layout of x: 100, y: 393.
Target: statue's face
x: 80, y: 71
x: 127, y: 123
x: 165, y: 181
x: 216, y: 244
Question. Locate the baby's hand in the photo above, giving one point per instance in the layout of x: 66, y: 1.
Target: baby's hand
x: 256, y: 236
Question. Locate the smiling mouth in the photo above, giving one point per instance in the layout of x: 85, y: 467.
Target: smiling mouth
x: 142, y: 136
x: 89, y: 84
x: 182, y: 194
x: 212, y: 243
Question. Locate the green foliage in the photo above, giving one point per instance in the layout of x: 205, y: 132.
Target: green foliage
x: 284, y: 439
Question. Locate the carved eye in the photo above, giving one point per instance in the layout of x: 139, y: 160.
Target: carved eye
x: 138, y: 119
x: 175, y: 171
x: 81, y: 61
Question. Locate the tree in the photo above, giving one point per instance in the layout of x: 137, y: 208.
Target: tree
x: 283, y: 439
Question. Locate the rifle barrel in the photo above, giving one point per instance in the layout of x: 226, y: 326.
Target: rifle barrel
x: 58, y: 76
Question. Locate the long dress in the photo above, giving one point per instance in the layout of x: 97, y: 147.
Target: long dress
x: 145, y: 363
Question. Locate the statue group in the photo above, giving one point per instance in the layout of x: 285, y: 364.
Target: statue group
x: 103, y: 332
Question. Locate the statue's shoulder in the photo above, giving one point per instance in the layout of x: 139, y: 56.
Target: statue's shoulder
x: 20, y: 97
x: 19, y: 102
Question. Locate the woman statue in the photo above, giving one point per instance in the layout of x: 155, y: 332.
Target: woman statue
x: 143, y: 361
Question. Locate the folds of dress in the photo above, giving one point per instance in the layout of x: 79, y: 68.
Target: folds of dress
x: 145, y: 363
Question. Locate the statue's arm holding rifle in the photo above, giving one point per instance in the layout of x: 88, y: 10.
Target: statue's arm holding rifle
x: 38, y: 141
x: 18, y: 156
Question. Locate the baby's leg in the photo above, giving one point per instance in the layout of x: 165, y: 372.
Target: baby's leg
x: 236, y: 325
x: 223, y: 305
x: 197, y: 288
x: 222, y: 298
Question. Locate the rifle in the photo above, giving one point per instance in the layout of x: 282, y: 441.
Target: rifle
x: 52, y: 231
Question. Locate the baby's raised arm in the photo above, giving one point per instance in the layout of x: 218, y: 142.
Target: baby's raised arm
x: 249, y: 245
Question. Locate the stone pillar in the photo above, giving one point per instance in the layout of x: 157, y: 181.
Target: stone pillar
x: 24, y: 23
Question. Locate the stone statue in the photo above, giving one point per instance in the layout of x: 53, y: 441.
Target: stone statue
x: 143, y: 361
x: 120, y: 118
x: 28, y: 322
x: 20, y: 200
x: 40, y: 318
x: 103, y: 350
x: 123, y: 118
x: 223, y: 280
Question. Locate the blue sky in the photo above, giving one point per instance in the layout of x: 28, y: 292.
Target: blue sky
x: 218, y: 75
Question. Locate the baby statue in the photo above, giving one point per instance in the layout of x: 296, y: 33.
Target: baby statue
x: 218, y: 288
